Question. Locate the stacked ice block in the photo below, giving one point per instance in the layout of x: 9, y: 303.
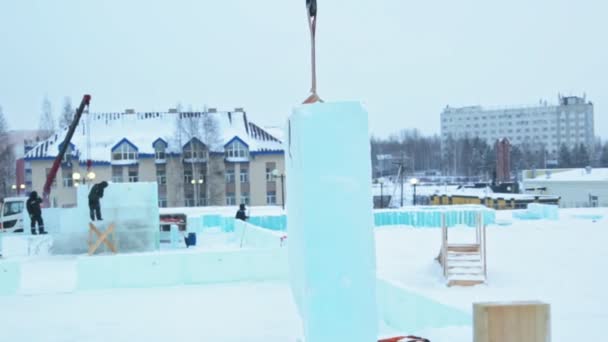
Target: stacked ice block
x: 132, y: 207
x: 331, y: 243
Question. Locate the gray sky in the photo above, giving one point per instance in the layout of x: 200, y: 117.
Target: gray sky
x: 404, y: 59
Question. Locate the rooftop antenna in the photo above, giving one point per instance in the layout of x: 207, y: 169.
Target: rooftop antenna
x: 311, y: 10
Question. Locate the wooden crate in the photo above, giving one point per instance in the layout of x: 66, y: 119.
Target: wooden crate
x: 511, y: 322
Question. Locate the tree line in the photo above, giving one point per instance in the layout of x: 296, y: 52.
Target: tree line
x: 472, y: 157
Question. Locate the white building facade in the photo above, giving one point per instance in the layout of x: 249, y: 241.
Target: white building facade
x: 541, y: 126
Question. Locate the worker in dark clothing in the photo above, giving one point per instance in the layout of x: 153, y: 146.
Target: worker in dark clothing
x: 94, y: 196
x: 241, y: 214
x: 33, y: 209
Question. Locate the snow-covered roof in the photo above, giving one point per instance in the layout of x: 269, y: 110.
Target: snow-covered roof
x: 142, y: 129
x: 574, y: 175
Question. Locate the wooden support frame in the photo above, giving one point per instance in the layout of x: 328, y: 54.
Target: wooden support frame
x: 102, y: 238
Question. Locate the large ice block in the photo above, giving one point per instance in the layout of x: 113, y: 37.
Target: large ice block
x: 330, y: 221
x: 132, y: 207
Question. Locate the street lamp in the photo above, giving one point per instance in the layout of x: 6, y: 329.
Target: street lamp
x: 91, y: 176
x: 18, y: 188
x: 414, y: 182
x: 277, y: 174
x: 76, y: 178
x: 381, y: 181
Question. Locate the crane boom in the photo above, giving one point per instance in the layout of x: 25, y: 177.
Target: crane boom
x: 46, y: 191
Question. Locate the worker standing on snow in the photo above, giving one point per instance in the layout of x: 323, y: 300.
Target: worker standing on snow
x: 94, y: 196
x: 241, y: 214
x: 33, y: 209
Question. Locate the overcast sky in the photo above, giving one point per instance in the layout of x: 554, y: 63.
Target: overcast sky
x: 404, y: 59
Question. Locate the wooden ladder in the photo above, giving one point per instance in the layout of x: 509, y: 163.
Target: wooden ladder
x: 464, y: 264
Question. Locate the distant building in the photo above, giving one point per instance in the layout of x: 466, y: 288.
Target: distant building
x: 20, y: 142
x: 197, y: 158
x: 540, y: 126
x: 577, y: 187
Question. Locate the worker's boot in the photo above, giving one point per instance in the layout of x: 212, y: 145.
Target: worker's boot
x: 34, y: 232
x: 41, y: 231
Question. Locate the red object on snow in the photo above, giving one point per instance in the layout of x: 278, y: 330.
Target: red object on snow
x: 408, y: 338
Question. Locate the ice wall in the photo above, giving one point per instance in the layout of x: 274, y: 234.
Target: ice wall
x: 330, y: 223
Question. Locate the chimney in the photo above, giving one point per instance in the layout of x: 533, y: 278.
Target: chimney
x: 172, y: 110
x: 130, y: 111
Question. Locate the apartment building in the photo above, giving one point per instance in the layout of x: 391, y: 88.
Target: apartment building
x: 570, y: 122
x: 197, y: 158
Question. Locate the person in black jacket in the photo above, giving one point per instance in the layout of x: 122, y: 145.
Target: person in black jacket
x: 241, y: 214
x: 94, y: 196
x: 33, y: 209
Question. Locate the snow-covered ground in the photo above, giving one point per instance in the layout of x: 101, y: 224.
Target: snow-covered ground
x: 559, y: 262
x: 223, y: 312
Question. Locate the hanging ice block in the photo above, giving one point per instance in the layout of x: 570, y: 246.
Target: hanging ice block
x: 330, y: 223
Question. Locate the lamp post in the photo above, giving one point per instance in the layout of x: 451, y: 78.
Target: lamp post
x: 414, y: 182
x: 91, y: 176
x: 18, y: 188
x: 381, y: 181
x: 76, y: 178
x: 277, y: 174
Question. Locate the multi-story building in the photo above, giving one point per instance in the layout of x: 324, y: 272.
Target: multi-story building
x: 540, y: 126
x: 196, y: 158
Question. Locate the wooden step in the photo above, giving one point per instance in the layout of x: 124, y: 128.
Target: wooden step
x: 464, y: 257
x: 451, y: 266
x: 463, y: 282
x: 464, y: 273
x: 464, y: 248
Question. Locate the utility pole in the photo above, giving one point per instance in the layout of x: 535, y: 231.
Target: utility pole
x: 401, y: 173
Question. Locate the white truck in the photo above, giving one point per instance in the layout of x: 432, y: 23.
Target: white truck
x: 13, y: 215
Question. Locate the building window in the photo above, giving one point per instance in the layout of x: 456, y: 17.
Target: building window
x: 187, y: 174
x: 244, y: 175
x: 269, y: 168
x: 245, y: 198
x: 271, y: 197
x: 237, y: 150
x: 230, y: 199
x: 159, y: 152
x: 161, y: 174
x: 133, y: 173
x: 117, y: 174
x: 66, y: 175
x: 229, y: 176
x: 195, y: 150
x: 124, y: 152
x: 162, y: 202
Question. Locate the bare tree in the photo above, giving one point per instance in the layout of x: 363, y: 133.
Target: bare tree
x: 215, y: 170
x: 201, y: 126
x: 7, y: 159
x: 47, y: 122
x: 67, y: 113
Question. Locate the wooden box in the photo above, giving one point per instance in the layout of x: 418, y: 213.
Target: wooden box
x: 511, y: 322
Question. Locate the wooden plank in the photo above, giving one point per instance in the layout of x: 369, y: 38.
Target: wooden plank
x: 464, y: 248
x: 467, y: 282
x: 102, y: 238
x: 511, y: 322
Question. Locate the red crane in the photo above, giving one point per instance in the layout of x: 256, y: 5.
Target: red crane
x: 46, y: 191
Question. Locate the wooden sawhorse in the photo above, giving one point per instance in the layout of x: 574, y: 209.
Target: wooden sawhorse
x: 102, y: 238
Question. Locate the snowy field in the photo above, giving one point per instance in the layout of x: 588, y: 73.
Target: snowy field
x: 559, y: 262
